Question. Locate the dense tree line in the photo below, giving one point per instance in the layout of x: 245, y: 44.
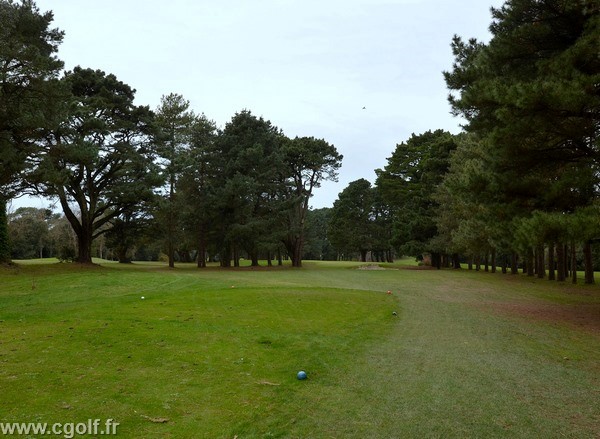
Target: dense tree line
x: 523, y: 184
x: 123, y: 172
x: 45, y: 233
x: 408, y: 183
x: 40, y: 233
x: 359, y: 225
x: 519, y: 188
x: 243, y: 190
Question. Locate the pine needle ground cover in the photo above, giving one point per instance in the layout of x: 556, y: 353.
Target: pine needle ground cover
x: 214, y: 353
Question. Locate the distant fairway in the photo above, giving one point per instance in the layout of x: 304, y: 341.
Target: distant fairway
x: 214, y: 353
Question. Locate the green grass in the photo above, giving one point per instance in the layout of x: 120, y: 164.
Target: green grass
x: 216, y: 351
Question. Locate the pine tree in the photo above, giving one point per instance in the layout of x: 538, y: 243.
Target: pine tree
x: 531, y: 94
x: 97, y: 157
x: 407, y: 185
x: 27, y: 93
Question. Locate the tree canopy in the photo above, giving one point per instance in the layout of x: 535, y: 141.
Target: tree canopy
x: 97, y: 157
x: 519, y: 185
x: 530, y: 98
x: 28, y: 92
x: 407, y: 185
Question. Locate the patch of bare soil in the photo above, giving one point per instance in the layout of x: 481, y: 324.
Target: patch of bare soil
x: 582, y: 316
x: 371, y: 267
x: 419, y: 267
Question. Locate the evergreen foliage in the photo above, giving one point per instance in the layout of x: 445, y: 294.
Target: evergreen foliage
x: 407, y: 184
x: 27, y: 94
x: 530, y: 97
x: 97, y: 157
x: 519, y: 186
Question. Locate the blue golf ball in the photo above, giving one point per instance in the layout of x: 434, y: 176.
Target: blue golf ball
x: 301, y: 375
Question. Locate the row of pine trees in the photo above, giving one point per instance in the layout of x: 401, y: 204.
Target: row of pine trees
x: 520, y: 186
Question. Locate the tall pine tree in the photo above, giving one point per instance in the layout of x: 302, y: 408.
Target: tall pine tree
x: 28, y: 91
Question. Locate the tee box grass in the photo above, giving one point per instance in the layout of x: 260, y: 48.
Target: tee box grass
x: 215, y: 353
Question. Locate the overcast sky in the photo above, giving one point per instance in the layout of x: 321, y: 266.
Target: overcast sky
x: 308, y: 66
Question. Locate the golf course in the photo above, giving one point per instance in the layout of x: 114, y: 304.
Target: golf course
x: 390, y: 351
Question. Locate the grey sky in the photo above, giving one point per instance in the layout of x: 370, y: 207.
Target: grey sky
x: 308, y: 66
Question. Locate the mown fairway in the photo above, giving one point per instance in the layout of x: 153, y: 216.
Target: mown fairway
x: 214, y: 353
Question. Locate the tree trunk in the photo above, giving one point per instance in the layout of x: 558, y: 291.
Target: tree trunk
x: 589, y: 264
x: 225, y: 258
x: 551, y: 268
x: 363, y: 255
x: 477, y: 263
x: 456, y: 261
x: 560, y: 263
x: 201, y: 251
x: 436, y: 260
x: 171, y: 223
x: 530, y: 265
x: 566, y: 260
x: 84, y: 247
x: 514, y: 264
x: 297, y: 257
x: 122, y: 251
x: 291, y: 246
x: 573, y: 263
x: 279, y: 258
x: 294, y: 246
x: 445, y: 262
x: 4, y: 238
x: 254, y: 258
x: 470, y: 263
x: 541, y: 271
x: 236, y: 256
x: 171, y: 253
x: 493, y: 260
x: 269, y: 259
x: 486, y: 262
